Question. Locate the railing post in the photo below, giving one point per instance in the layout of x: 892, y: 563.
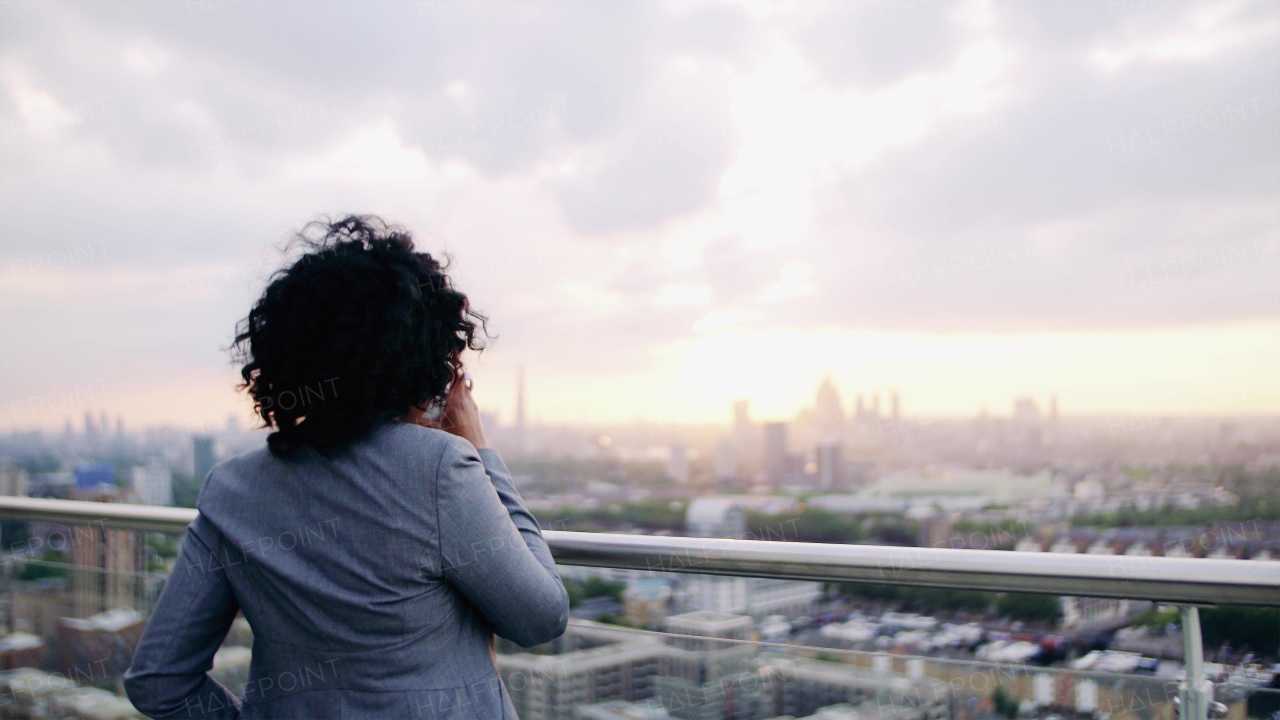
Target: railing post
x: 1196, y: 692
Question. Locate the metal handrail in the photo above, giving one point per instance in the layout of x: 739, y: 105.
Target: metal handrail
x: 1186, y: 581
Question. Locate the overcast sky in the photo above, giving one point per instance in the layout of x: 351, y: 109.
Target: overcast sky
x: 662, y: 206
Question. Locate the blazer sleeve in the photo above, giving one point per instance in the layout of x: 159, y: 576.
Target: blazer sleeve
x: 492, y: 549
x: 168, y: 677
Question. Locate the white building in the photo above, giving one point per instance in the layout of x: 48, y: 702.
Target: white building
x: 715, y: 517
x: 757, y: 597
x: 622, y: 710
x: 678, y: 463
x: 153, y: 483
x: 724, y: 516
x: 13, y: 480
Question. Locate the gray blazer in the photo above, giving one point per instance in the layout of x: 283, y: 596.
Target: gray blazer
x: 374, y: 581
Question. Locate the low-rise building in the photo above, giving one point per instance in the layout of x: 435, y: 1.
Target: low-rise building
x: 589, y: 664
x: 644, y: 603
x: 803, y: 687
x: 622, y: 710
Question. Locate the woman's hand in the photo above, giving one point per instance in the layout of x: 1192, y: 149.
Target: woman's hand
x: 460, y: 417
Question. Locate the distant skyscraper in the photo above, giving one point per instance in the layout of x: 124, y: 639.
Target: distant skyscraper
x: 90, y: 427
x: 520, y: 419
x: 746, y: 441
x: 982, y: 434
x: 775, y: 451
x: 203, y: 456
x: 119, y: 427
x: 678, y: 463
x: 830, y: 466
x: 104, y: 424
x: 895, y: 407
x: 1053, y: 432
x: 827, y: 409
x: 1024, y: 408
x: 726, y: 463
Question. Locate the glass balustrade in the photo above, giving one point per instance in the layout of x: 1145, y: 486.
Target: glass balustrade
x: 656, y: 644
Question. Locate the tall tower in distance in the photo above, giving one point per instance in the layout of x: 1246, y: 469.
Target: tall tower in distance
x: 1025, y: 409
x: 520, y: 421
x: 741, y: 413
x: 828, y: 410
x: 775, y: 452
x: 746, y: 444
x: 895, y: 407
x: 1053, y: 433
x: 203, y: 456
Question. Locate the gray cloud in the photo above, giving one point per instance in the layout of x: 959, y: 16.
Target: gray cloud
x: 873, y: 44
x: 1158, y: 185
x: 1082, y: 198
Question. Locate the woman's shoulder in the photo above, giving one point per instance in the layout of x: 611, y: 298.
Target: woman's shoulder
x: 411, y: 437
x: 428, y: 447
x: 417, y: 451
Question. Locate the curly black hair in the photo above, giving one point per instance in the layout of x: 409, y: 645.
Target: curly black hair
x: 353, y: 334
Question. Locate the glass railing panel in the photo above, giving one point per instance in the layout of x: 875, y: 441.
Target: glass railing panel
x: 74, y: 601
x: 656, y: 644
x: 1050, y: 655
x: 600, y: 670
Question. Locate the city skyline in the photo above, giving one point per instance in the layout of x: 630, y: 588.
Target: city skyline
x: 107, y: 421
